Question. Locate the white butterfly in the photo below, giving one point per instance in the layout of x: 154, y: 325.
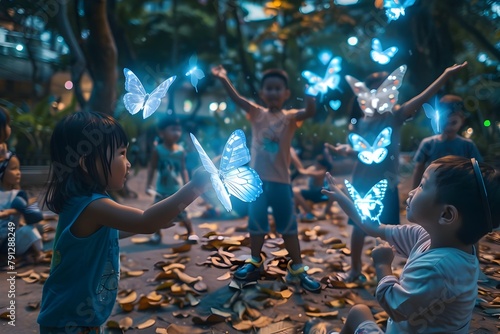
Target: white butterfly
x: 370, y: 206
x: 396, y: 8
x: 375, y: 153
x: 434, y: 116
x: 330, y: 80
x: 379, y: 55
x: 382, y: 99
x: 240, y: 181
x: 195, y: 73
x: 137, y: 99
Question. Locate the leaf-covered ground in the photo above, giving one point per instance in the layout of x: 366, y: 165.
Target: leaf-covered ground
x: 177, y: 287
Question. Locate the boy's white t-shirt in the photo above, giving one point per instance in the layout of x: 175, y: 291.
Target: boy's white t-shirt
x: 437, y: 290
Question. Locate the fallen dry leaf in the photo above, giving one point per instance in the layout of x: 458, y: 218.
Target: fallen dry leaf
x: 146, y: 324
x: 126, y: 323
x: 224, y: 277
x: 323, y: 314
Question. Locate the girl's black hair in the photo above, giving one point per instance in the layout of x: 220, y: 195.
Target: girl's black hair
x: 4, y: 121
x: 87, y: 138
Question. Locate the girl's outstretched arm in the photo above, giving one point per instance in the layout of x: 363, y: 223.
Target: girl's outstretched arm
x: 106, y: 212
x: 410, y: 108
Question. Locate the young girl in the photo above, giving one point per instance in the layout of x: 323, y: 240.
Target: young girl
x: 89, y: 157
x: 4, y: 132
x: 382, y: 129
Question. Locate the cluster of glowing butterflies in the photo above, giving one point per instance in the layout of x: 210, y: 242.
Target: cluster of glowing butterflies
x: 138, y: 99
x: 383, y: 98
x: 371, y: 205
x: 232, y: 178
x: 375, y: 153
x: 379, y: 55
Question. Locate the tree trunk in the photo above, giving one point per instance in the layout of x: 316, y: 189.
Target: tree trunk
x: 79, y: 64
x: 102, y: 58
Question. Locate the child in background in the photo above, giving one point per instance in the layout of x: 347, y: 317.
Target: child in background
x: 81, y: 290
x: 448, y: 142
x: 5, y: 132
x: 365, y: 176
x: 272, y: 131
x: 13, y: 204
x: 452, y: 208
x: 316, y: 173
x: 169, y: 159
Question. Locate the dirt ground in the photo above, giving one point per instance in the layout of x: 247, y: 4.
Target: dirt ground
x: 195, y: 294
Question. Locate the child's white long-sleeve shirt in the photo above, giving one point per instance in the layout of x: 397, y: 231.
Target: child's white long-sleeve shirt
x: 437, y: 289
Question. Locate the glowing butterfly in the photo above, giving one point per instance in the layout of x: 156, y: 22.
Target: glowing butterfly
x: 379, y: 55
x: 330, y: 80
x: 434, y: 116
x: 396, y: 8
x: 375, y: 153
x: 382, y: 99
x: 232, y: 178
x: 335, y: 104
x: 195, y: 73
x: 370, y: 206
x: 137, y: 99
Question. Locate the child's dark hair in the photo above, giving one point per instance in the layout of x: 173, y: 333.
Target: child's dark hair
x: 451, y: 104
x: 323, y: 161
x: 274, y: 73
x: 87, y: 138
x: 164, y: 121
x: 4, y: 121
x: 458, y: 185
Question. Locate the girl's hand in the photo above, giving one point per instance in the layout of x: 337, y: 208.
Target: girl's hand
x: 219, y: 71
x: 383, y: 254
x: 455, y: 68
x: 341, y: 149
x: 201, y: 178
x: 334, y: 191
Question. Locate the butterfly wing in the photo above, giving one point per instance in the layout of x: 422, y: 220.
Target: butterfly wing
x: 433, y: 115
x: 355, y: 197
x: 379, y: 55
x: 360, y: 145
x: 363, y: 93
x: 244, y: 183
x: 154, y: 99
x: 235, y: 152
x: 205, y: 160
x: 209, y: 166
x: 387, y: 94
x: 196, y: 75
x: 332, y: 79
x: 372, y: 204
x: 134, y: 99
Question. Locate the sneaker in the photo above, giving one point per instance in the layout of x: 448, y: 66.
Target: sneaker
x: 308, y: 217
x: 300, y: 276
x: 155, y: 239
x: 250, y: 271
x: 192, y: 239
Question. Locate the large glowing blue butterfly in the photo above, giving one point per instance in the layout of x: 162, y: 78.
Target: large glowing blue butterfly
x: 380, y: 55
x: 329, y: 81
x: 195, y: 73
x: 370, y: 206
x: 382, y: 99
x: 232, y: 178
x: 435, y: 117
x: 396, y: 8
x: 137, y: 99
x: 375, y: 153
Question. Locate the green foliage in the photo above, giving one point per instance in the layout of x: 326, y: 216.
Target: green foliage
x: 32, y: 129
x: 311, y: 137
